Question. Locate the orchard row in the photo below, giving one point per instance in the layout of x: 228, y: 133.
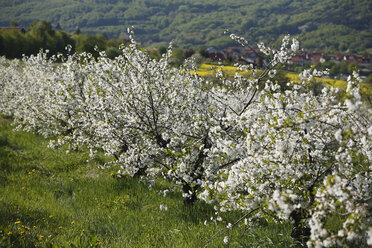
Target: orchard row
x: 244, y: 143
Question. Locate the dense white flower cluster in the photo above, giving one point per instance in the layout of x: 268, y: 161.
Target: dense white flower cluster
x: 339, y: 195
x: 286, y: 143
x: 42, y: 96
x: 244, y: 143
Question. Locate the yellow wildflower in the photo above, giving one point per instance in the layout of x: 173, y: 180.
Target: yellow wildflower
x: 17, y: 222
x: 10, y: 233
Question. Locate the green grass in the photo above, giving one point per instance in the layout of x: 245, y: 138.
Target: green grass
x: 49, y: 198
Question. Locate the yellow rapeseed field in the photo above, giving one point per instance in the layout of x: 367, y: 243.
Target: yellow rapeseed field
x: 210, y: 70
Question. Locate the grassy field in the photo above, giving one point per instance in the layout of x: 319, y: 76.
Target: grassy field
x: 49, y: 198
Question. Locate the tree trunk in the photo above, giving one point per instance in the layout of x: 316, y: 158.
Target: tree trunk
x: 300, y: 232
x: 190, y: 199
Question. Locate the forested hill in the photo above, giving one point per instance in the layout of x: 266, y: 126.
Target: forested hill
x: 328, y: 25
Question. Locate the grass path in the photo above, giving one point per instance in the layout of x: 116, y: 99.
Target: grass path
x: 52, y: 199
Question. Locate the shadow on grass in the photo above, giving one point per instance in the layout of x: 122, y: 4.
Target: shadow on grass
x: 10, y: 213
x: 196, y: 213
x: 7, y: 152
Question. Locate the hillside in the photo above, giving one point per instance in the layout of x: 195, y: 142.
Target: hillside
x: 326, y: 25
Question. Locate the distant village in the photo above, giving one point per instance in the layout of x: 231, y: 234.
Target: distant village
x: 249, y: 55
